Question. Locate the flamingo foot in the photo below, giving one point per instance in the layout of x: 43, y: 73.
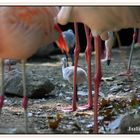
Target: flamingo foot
x: 69, y: 109
x: 108, y: 62
x: 85, y: 107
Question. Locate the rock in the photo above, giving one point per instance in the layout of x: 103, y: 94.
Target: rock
x: 116, y: 123
x: 37, y: 85
x: 116, y: 88
x: 68, y: 98
x: 130, y: 125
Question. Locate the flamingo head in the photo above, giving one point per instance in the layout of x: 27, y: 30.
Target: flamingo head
x: 61, y: 43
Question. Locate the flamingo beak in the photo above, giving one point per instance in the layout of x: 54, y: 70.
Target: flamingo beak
x: 61, y: 43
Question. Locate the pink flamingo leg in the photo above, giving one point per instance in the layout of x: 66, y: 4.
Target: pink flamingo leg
x: 1, y: 102
x: 76, y: 56
x: 88, y: 60
x: 25, y: 98
x: 2, y: 81
x: 97, y: 80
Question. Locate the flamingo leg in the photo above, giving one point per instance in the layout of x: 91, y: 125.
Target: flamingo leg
x: 76, y: 56
x: 131, y: 52
x: 67, y: 58
x: 2, y: 84
x: 97, y: 80
x: 9, y: 66
x: 71, y: 53
x: 128, y: 72
x: 25, y: 98
x: 88, y: 60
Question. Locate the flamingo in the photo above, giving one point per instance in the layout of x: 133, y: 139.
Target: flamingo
x: 23, y: 31
x: 68, y: 74
x: 100, y: 20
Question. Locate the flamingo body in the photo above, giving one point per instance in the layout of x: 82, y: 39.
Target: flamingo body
x: 101, y: 19
x: 24, y: 30
x: 68, y: 73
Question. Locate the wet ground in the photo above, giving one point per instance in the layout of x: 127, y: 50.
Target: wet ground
x: 118, y: 95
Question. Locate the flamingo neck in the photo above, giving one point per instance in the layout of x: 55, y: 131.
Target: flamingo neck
x: 64, y: 65
x: 64, y: 15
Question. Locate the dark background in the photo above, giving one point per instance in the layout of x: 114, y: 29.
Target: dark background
x: 124, y: 34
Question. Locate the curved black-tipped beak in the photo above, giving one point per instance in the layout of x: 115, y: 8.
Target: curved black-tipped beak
x: 108, y: 62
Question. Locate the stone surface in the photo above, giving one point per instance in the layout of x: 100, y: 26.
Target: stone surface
x: 37, y: 85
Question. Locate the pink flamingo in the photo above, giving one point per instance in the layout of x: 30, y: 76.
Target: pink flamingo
x: 100, y: 20
x: 23, y: 31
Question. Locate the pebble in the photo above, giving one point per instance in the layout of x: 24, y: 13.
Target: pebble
x: 68, y: 126
x: 36, y: 101
x: 38, y: 113
x: 116, y: 88
x: 61, y: 94
x: 89, y: 125
x: 43, y: 99
x: 100, y: 93
x: 30, y: 114
x: 100, y: 117
x: 63, y: 85
x: 51, y: 79
x: 71, y: 123
x: 67, y: 92
x: 126, y: 89
x: 82, y: 121
x: 68, y: 98
x: 81, y: 93
x: 138, y: 95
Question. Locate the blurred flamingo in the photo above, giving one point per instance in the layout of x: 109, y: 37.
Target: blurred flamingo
x: 23, y: 31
